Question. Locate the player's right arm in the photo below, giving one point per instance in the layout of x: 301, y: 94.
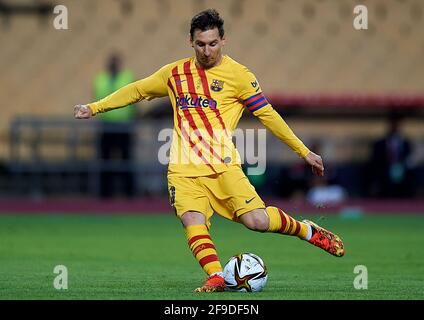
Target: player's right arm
x: 148, y: 88
x: 82, y: 111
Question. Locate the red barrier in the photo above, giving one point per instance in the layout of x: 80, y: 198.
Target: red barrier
x: 161, y: 205
x: 348, y: 100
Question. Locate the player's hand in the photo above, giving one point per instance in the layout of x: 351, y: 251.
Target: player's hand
x: 82, y: 111
x: 315, y: 161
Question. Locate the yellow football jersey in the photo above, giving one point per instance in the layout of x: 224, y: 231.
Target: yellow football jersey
x: 207, y: 104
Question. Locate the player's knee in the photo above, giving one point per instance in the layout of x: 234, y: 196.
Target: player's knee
x: 192, y: 218
x: 256, y: 221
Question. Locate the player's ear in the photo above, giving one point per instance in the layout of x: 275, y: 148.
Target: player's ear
x: 224, y: 40
x: 190, y: 39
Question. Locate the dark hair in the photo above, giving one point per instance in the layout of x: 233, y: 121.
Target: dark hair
x: 207, y: 20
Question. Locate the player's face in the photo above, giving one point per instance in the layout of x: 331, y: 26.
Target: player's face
x: 208, y: 47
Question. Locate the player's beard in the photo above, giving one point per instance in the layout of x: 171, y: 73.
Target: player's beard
x: 209, y: 62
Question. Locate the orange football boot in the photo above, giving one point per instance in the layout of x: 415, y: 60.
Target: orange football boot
x: 214, y: 283
x: 326, y: 240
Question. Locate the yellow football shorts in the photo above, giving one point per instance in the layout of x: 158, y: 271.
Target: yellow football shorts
x: 229, y: 194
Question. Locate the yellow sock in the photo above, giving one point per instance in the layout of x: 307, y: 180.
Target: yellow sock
x: 200, y: 243
x: 280, y: 222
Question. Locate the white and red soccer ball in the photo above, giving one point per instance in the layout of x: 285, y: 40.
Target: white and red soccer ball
x: 245, y: 272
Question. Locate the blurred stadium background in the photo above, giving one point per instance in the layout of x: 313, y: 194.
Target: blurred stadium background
x: 337, y: 87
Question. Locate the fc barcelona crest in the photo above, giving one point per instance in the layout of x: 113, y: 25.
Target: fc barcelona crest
x: 217, y: 85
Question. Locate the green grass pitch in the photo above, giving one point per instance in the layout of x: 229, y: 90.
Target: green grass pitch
x: 146, y: 257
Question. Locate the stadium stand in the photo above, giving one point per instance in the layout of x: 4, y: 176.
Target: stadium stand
x: 308, y: 57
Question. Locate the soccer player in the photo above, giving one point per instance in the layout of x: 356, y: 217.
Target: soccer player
x: 209, y: 93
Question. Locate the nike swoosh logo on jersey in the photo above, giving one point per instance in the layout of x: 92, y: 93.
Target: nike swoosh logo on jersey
x: 250, y: 200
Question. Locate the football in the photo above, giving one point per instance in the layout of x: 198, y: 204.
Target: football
x: 245, y: 272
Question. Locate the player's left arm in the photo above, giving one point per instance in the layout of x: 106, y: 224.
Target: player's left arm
x: 276, y: 124
x: 255, y: 101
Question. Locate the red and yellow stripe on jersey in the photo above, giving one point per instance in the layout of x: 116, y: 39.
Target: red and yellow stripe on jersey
x: 207, y: 107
